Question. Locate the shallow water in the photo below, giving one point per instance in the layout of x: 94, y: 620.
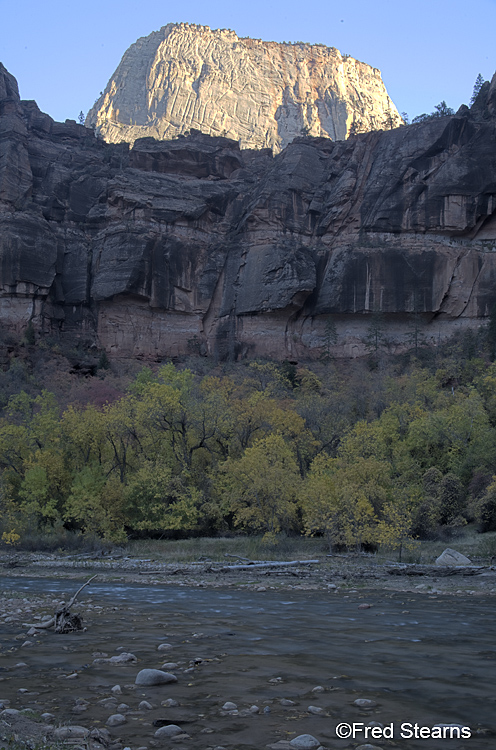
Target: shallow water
x: 419, y: 658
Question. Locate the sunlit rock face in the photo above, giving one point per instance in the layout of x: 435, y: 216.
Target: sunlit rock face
x: 262, y: 94
x: 195, y: 246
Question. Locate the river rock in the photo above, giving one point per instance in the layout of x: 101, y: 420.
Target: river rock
x: 315, y: 710
x: 116, y: 720
x: 452, y: 558
x: 364, y: 703
x: 304, y: 742
x: 164, y: 647
x: 229, y: 706
x: 70, y: 733
x: 170, y: 703
x: 169, y: 665
x: 287, y: 702
x: 171, y: 730
x: 145, y: 706
x: 154, y: 677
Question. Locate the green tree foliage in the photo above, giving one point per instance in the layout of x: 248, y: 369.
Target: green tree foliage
x: 261, y: 487
x: 479, y: 82
x: 440, y: 110
x: 360, y: 457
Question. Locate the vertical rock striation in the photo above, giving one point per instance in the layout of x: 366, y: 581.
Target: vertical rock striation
x: 262, y: 94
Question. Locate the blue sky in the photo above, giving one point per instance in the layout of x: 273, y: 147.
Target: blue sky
x: 63, y: 53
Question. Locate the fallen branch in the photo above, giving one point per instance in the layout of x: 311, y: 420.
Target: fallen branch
x: 437, y: 571
x: 267, y: 565
x: 63, y: 620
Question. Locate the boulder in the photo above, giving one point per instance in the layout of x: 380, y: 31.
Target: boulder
x: 452, y: 558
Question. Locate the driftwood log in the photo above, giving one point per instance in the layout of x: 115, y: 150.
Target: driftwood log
x: 63, y: 620
x: 251, y: 565
x: 437, y: 571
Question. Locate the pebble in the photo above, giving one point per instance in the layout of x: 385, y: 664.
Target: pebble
x: 315, y: 710
x: 364, y: 703
x: 164, y: 647
x: 364, y: 606
x: 26, y: 643
x: 287, y: 702
x: 170, y: 703
x: 266, y: 710
x: 116, y: 720
x: 116, y: 690
x: 171, y: 730
x: 122, y: 707
x: 154, y: 677
x: 304, y: 742
x: 228, y: 706
x: 169, y: 665
x: 123, y: 658
x: 318, y: 689
x: 254, y: 709
x: 145, y: 706
x: 47, y: 717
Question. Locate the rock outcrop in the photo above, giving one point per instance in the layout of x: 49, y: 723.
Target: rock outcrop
x: 197, y: 246
x: 262, y: 94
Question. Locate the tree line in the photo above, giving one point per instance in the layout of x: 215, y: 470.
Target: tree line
x: 378, y: 455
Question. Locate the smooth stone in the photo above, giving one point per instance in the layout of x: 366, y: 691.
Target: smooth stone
x: 169, y: 665
x: 47, y: 716
x: 228, y: 706
x: 116, y: 690
x: 145, y: 706
x: 287, y: 702
x: 170, y: 703
x: 318, y: 689
x: 364, y: 703
x: 315, y: 710
x: 115, y: 720
x: 171, y: 730
x: 304, y: 742
x: 165, y: 647
x: 154, y: 677
x: 9, y: 712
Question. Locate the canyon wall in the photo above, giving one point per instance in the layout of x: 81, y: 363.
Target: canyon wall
x: 197, y: 246
x: 262, y: 94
